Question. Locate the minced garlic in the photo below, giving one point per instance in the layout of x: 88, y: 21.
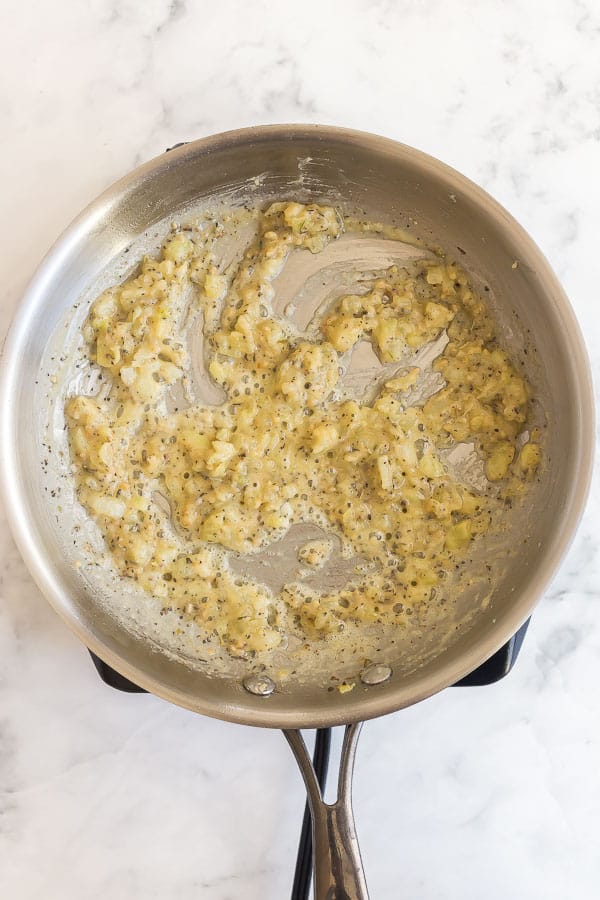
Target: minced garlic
x: 285, y: 447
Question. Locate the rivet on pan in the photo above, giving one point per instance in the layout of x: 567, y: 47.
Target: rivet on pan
x: 375, y: 674
x: 261, y: 685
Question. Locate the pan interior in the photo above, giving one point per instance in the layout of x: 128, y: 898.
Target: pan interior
x: 379, y: 184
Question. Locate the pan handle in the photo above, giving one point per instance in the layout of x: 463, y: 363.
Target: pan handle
x: 338, y: 867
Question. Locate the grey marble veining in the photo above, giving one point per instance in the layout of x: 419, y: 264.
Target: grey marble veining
x: 489, y: 792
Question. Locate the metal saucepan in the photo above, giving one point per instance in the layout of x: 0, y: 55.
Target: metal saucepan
x: 388, y: 182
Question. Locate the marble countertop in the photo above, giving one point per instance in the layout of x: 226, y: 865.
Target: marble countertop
x: 489, y: 792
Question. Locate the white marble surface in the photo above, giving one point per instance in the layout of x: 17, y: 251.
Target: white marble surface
x: 476, y: 793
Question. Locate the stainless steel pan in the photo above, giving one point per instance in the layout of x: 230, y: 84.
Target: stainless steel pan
x: 391, y: 183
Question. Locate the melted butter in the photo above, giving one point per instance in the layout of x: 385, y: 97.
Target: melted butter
x: 178, y: 492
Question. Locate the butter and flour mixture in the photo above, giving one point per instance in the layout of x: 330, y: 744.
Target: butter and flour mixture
x: 181, y: 490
